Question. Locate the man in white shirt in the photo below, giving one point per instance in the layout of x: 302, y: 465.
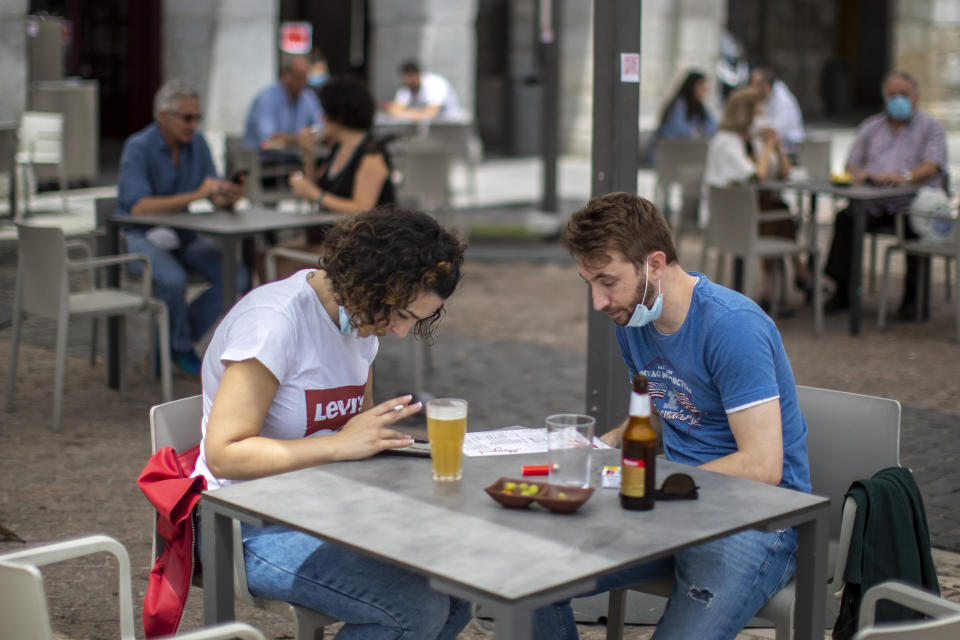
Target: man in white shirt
x: 780, y: 108
x: 424, y: 96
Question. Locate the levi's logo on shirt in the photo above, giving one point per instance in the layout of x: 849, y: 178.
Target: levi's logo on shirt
x: 330, y: 409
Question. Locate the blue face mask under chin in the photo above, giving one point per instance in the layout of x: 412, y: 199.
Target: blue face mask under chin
x: 899, y: 107
x: 643, y: 315
x: 346, y: 327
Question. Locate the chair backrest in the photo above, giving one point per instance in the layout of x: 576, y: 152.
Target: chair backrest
x: 41, y: 134
x: 177, y: 424
x: 815, y: 156
x: 671, y: 155
x: 8, y: 145
x: 457, y: 138
x: 41, y: 269
x: 424, y: 167
x: 849, y: 437
x: 732, y: 225
x: 23, y: 607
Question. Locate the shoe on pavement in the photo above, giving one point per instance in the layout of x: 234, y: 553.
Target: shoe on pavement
x: 187, y: 361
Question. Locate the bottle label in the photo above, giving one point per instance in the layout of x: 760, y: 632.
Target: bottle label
x: 633, y: 477
x: 639, y: 404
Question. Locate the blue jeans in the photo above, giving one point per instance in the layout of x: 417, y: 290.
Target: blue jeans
x: 717, y: 587
x: 375, y: 600
x: 197, y: 254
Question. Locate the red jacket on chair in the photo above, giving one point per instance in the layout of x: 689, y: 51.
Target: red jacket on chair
x: 167, y: 484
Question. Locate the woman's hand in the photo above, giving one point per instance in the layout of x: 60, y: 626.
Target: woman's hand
x: 302, y: 187
x: 371, y: 432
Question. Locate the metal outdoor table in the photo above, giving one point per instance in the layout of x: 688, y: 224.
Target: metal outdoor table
x: 860, y: 196
x: 510, y: 561
x: 227, y: 228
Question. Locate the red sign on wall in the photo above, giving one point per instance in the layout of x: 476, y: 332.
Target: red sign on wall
x: 296, y: 37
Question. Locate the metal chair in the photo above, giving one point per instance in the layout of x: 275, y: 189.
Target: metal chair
x: 177, y: 424
x: 43, y: 288
x: 679, y: 162
x: 8, y: 163
x: 733, y: 228
x: 423, y: 166
x: 24, y: 609
x: 814, y: 155
x: 944, y: 625
x: 40, y: 142
x: 460, y: 139
x: 239, y: 158
x: 849, y: 437
x: 949, y: 250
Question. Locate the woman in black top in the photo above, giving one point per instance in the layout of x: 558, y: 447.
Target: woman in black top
x: 355, y: 177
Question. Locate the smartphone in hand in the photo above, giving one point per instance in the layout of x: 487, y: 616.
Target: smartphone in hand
x: 239, y: 177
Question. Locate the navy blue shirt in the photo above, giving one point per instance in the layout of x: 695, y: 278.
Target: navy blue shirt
x: 146, y: 168
x: 726, y: 357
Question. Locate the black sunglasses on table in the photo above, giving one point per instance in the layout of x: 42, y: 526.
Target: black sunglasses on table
x: 677, y: 486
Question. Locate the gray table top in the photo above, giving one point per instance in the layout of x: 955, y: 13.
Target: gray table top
x: 389, y: 507
x: 851, y: 191
x: 229, y: 223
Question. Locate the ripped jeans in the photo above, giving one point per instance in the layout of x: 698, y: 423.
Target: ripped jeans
x: 717, y: 587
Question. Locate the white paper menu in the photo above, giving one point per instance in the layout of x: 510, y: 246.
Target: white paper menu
x: 512, y: 441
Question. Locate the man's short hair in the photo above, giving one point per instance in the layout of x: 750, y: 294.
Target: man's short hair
x: 622, y: 222
x: 172, y: 90
x: 410, y: 66
x: 896, y: 73
x: 287, y: 61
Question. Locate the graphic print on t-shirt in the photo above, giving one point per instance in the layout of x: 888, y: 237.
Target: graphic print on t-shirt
x: 673, y: 396
x: 329, y: 409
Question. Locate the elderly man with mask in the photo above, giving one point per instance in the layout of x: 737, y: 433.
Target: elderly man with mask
x: 281, y: 115
x: 901, y: 146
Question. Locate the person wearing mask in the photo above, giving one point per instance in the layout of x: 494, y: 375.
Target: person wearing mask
x: 901, y: 146
x: 163, y: 168
x: 740, y: 153
x: 281, y: 116
x: 288, y: 349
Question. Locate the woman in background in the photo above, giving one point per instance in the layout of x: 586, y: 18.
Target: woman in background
x: 686, y: 116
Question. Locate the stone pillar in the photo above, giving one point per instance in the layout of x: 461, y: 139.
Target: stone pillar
x: 925, y: 36
x: 13, y: 53
x: 439, y: 34
x: 227, y: 50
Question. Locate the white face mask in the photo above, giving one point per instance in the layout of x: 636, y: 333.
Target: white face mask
x: 643, y: 315
x: 346, y: 327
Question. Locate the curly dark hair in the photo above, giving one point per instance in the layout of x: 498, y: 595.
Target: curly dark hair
x: 347, y: 101
x: 378, y: 262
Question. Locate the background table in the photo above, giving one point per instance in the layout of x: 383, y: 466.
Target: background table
x: 510, y: 561
x: 227, y: 228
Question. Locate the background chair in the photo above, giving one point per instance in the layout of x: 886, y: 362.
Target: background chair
x: 733, y: 228
x: 814, y: 155
x: 949, y: 250
x: 460, y: 139
x: 24, y: 610
x: 679, y: 162
x: 40, y: 142
x: 43, y: 288
x: 945, y: 624
x: 849, y: 437
x: 239, y: 158
x: 8, y: 163
x: 177, y: 424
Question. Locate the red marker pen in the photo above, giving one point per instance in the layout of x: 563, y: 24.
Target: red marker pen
x: 535, y: 470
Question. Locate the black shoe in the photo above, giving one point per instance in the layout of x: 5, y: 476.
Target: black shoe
x: 838, y: 302
x: 907, y: 310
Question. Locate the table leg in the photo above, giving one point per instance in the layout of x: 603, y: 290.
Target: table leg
x: 513, y: 624
x: 858, y: 211
x: 228, y: 262
x: 111, y: 246
x: 216, y: 550
x: 811, y: 576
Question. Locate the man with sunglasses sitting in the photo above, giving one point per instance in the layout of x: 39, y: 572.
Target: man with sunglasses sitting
x: 720, y: 380
x: 163, y: 168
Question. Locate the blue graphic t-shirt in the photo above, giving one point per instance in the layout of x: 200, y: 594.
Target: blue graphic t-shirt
x: 726, y: 357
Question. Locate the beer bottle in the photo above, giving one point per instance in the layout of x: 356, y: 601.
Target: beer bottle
x: 638, y: 464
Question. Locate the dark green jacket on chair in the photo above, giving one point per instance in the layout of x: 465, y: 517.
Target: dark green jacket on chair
x: 890, y: 541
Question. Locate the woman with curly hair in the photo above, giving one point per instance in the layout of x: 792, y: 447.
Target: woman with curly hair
x: 287, y: 383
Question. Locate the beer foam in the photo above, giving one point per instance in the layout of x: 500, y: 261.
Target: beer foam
x: 442, y: 412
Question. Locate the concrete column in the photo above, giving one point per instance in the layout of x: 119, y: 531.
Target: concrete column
x: 925, y: 36
x: 227, y: 50
x: 13, y: 53
x: 439, y: 34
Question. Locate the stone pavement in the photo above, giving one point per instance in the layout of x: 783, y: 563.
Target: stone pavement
x: 513, y: 344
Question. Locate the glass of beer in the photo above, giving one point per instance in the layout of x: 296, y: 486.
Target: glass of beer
x: 446, y: 426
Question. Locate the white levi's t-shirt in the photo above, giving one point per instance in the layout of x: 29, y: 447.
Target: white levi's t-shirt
x: 322, y: 372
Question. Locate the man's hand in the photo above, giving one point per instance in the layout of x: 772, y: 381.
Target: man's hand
x: 228, y: 194
x: 614, y: 437
x: 371, y: 432
x: 889, y: 179
x: 209, y: 188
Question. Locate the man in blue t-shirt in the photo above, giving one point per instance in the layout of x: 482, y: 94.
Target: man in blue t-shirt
x: 163, y: 168
x: 722, y: 385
